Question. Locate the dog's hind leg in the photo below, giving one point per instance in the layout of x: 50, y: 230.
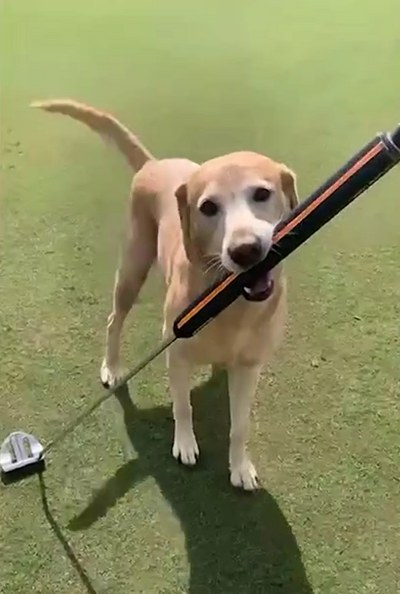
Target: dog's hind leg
x: 139, y: 253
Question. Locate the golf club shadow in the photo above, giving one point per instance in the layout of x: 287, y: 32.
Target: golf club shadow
x: 235, y: 542
x: 64, y: 542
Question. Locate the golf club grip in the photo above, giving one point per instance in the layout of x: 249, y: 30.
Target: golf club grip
x: 374, y: 160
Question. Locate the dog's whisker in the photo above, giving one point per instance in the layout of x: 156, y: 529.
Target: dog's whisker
x: 213, y: 263
x: 222, y: 271
x: 214, y: 258
x: 215, y: 266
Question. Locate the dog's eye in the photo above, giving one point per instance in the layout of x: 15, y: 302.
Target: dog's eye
x: 209, y: 208
x: 261, y: 194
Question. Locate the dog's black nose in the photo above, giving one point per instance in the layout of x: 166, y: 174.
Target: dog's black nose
x: 246, y: 254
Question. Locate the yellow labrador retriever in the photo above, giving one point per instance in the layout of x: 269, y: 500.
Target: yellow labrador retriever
x: 199, y: 221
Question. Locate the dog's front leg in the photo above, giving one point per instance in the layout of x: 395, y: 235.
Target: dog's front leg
x: 243, y: 381
x: 185, y: 446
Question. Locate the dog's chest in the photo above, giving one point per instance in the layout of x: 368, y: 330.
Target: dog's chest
x: 243, y: 334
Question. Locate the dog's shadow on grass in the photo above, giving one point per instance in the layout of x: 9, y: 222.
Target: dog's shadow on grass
x: 235, y: 542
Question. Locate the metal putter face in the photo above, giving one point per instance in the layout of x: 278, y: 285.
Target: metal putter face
x: 19, y: 450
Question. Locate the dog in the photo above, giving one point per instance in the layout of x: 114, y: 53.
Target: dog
x: 199, y: 221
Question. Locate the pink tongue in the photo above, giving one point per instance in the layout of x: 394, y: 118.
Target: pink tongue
x: 261, y: 285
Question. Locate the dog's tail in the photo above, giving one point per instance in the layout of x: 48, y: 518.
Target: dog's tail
x: 103, y: 123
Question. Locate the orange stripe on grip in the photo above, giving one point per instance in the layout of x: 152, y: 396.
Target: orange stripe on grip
x: 289, y: 227
x: 328, y: 192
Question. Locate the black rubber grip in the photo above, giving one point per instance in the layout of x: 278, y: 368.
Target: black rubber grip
x: 361, y: 171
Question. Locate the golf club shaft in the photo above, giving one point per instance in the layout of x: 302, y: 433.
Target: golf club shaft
x: 162, y: 346
x: 374, y: 160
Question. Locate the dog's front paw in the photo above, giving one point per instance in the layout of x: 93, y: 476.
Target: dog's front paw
x: 185, y: 447
x: 110, y: 375
x: 244, y: 476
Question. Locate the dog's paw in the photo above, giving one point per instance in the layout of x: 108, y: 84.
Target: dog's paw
x: 244, y: 476
x: 109, y: 376
x: 185, y: 448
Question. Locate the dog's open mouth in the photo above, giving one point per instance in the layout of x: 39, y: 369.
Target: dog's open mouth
x: 260, y: 289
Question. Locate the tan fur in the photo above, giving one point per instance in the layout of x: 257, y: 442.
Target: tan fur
x: 165, y: 224
x: 103, y: 123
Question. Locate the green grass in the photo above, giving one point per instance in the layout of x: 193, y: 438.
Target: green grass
x: 306, y: 82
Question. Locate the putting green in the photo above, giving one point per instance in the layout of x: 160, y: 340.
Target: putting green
x: 304, y: 82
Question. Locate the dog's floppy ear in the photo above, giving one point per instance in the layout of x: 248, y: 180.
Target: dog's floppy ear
x: 184, y: 214
x: 289, y: 186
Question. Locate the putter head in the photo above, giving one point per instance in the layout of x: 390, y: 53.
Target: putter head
x: 21, y: 455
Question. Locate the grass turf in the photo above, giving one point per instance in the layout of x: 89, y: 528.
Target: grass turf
x: 302, y: 82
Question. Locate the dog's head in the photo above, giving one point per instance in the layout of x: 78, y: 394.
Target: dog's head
x: 229, y: 209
